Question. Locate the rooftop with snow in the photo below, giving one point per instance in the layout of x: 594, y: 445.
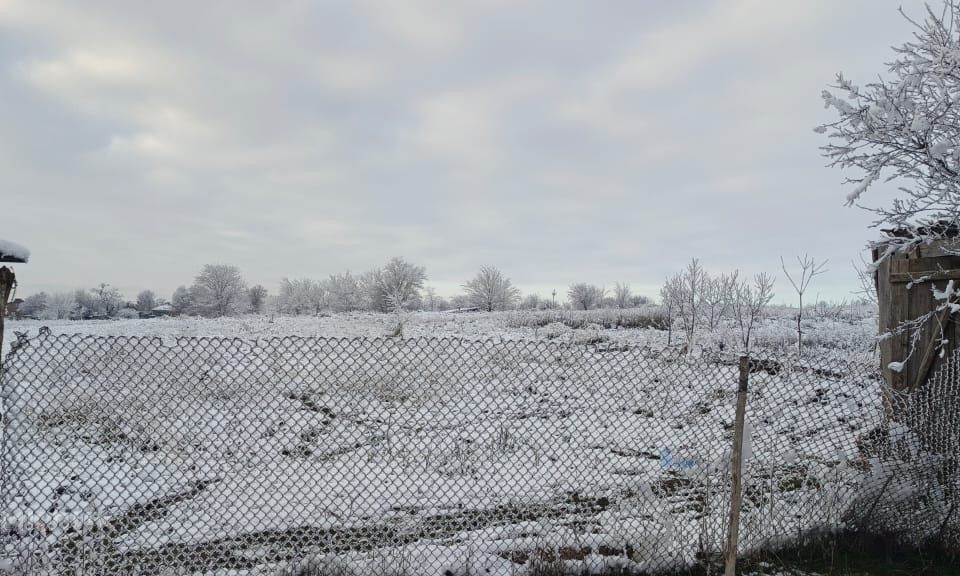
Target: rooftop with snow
x: 13, y: 252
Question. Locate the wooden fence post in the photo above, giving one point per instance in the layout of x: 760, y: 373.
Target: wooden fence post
x: 736, y: 470
x: 7, y: 281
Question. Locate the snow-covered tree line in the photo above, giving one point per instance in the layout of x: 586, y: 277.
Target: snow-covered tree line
x: 694, y: 300
x: 583, y: 296
x: 221, y: 290
x: 399, y: 285
x: 102, y: 301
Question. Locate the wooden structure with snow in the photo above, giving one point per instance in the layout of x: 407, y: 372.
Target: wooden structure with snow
x: 10, y: 258
x: 905, y: 283
x: 10, y: 252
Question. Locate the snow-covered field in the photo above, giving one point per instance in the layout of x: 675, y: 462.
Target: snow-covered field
x: 852, y: 335
x: 363, y: 324
x: 488, y: 442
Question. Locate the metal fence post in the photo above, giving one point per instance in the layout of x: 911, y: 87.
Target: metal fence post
x: 736, y: 469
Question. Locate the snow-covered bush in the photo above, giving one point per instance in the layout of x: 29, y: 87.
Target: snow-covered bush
x: 128, y: 314
x: 635, y: 318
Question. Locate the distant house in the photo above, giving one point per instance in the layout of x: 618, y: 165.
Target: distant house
x: 160, y: 311
x: 13, y: 308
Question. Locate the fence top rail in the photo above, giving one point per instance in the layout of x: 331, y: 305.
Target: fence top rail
x: 829, y: 364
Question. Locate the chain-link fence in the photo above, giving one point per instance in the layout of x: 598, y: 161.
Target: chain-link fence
x: 127, y: 455
x: 912, y: 487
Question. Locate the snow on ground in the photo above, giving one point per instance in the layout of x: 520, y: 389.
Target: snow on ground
x: 855, y: 335
x: 513, y: 438
x: 468, y: 325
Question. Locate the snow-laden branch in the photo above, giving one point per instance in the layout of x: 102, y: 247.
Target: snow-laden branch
x: 904, y: 128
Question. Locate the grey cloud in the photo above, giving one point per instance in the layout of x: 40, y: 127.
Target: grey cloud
x: 562, y: 141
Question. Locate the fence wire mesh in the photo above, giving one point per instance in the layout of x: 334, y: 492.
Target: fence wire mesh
x: 130, y: 455
x: 912, y: 489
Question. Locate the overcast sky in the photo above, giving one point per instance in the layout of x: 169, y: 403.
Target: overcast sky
x: 562, y: 141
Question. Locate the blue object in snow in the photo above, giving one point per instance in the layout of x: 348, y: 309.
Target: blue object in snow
x: 669, y: 460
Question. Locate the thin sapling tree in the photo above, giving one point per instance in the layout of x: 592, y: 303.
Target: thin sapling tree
x: 809, y: 269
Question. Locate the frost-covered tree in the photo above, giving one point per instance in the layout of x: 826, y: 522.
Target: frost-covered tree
x: 638, y: 300
x: 371, y: 295
x: 396, y: 286
x: 905, y: 127
x: 109, y: 300
x: 749, y: 301
x: 219, y: 290
x: 103, y: 301
x: 257, y: 297
x: 301, y: 296
x: 716, y: 296
x: 868, y: 287
x: 59, y: 306
x: 85, y: 305
x: 146, y: 301
x: 670, y: 295
x: 584, y: 296
x: 345, y: 293
x: 690, y: 299
x: 622, y: 296
x: 430, y: 299
x: 490, y: 290
x: 461, y: 302
x: 316, y: 295
x: 287, y: 299
x: 182, y: 300
x: 534, y: 302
